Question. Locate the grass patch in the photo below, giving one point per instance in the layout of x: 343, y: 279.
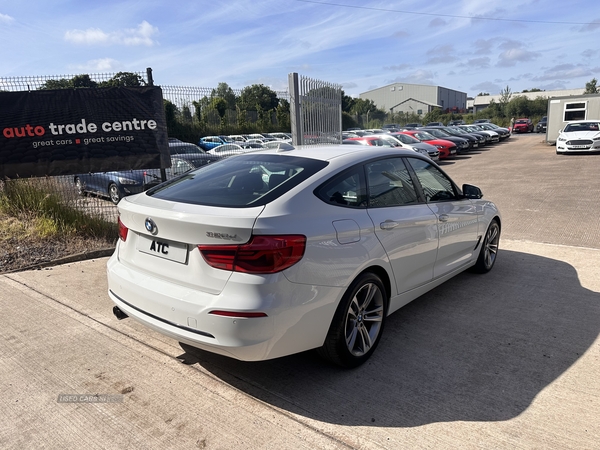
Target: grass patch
x: 43, y: 211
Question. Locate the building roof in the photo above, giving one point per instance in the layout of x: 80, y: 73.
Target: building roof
x: 482, y: 100
x: 407, y: 84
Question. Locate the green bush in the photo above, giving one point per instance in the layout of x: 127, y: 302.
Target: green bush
x: 33, y: 198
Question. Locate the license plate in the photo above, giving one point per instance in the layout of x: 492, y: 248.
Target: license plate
x: 171, y: 250
x: 580, y: 146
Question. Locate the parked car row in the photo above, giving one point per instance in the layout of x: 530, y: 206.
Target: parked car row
x: 441, y: 141
x: 209, y: 142
x: 434, y: 141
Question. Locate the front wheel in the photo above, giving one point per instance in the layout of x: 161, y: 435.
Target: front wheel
x: 79, y: 187
x: 113, y: 193
x: 489, y: 249
x: 358, y: 323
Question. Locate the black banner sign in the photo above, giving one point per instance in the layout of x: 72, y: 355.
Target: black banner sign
x: 69, y: 131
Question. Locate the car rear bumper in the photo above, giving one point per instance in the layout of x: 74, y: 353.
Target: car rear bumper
x: 297, y: 316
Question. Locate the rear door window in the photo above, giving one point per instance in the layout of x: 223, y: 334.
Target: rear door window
x: 390, y: 184
x: 346, y: 189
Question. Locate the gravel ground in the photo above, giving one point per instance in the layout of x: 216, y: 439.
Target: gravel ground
x: 19, y: 251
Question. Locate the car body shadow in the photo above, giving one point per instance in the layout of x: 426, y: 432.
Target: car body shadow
x: 478, y: 348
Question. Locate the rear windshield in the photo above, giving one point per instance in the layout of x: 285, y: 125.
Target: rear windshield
x: 239, y: 181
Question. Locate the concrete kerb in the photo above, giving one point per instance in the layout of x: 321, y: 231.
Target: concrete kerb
x: 94, y: 254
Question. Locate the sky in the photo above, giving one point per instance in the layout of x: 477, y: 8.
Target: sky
x: 471, y: 46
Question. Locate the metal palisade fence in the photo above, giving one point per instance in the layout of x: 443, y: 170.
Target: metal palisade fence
x: 311, y: 109
x: 191, y: 112
x: 69, y: 191
x: 316, y: 111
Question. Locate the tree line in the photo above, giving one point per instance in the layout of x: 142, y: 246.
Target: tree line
x: 257, y: 108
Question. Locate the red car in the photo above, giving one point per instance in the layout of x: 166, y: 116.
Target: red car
x: 523, y: 126
x: 447, y: 149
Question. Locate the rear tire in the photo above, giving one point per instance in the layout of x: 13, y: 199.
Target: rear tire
x: 79, y: 187
x: 113, y: 193
x: 358, y: 323
x: 489, y: 249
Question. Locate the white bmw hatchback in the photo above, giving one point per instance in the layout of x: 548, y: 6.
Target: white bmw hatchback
x: 275, y: 252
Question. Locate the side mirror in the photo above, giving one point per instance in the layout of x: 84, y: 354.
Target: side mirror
x: 470, y: 191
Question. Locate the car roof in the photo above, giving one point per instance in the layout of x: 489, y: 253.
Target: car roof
x: 367, y: 137
x: 333, y: 151
x: 192, y: 156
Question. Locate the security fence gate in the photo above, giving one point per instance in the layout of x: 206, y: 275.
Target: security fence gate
x: 315, y: 111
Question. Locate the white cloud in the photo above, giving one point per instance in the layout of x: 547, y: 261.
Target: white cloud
x: 437, y: 22
x: 511, y: 57
x: 477, y: 63
x: 401, y: 34
x: 99, y: 65
x: 6, y: 19
x: 594, y: 25
x: 565, y: 71
x: 589, y: 53
x: 142, y: 35
x: 441, y: 54
x: 416, y: 77
x: 89, y: 36
x: 487, y: 86
x: 273, y: 83
x: 483, y: 46
x: 397, y: 68
x: 559, y: 84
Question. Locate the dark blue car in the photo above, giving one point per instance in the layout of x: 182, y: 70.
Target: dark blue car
x: 116, y: 185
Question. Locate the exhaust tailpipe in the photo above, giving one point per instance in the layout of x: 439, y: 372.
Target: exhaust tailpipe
x: 119, y: 314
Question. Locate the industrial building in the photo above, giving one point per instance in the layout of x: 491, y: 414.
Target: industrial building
x: 416, y: 98
x: 481, y: 102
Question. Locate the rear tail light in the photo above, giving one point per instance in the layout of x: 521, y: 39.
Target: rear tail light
x: 122, y: 231
x: 261, y: 255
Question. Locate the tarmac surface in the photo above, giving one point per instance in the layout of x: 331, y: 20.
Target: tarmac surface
x: 510, y: 359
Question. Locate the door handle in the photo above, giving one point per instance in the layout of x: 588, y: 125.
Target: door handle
x: 388, y: 225
x: 444, y: 217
